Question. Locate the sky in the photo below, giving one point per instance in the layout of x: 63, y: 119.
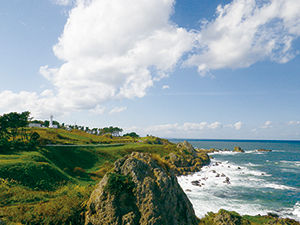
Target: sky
x: 207, y: 69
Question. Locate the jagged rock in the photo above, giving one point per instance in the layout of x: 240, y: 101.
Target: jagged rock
x: 196, y: 182
x: 227, y: 180
x: 238, y: 149
x: 187, y: 147
x: 178, y: 161
x: 155, y: 199
x: 225, y: 217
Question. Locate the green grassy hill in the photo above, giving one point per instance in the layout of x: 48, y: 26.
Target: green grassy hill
x: 50, y: 184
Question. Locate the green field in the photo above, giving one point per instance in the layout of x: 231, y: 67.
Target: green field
x: 50, y: 184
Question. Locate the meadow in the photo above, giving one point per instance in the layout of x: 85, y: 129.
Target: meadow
x: 51, y: 183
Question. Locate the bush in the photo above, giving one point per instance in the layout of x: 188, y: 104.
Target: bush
x: 117, y: 183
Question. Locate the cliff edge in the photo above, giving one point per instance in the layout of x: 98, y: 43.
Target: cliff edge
x: 139, y: 190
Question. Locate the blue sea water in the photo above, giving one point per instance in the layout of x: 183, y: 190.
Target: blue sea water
x: 260, y: 182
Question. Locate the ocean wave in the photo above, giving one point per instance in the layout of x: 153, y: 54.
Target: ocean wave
x: 224, y: 153
x: 296, y: 210
x: 295, y: 163
x: 279, y: 186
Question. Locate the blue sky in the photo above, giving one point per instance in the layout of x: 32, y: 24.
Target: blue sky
x: 183, y: 69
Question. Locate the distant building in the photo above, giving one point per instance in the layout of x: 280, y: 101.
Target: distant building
x: 51, y: 125
x: 35, y: 125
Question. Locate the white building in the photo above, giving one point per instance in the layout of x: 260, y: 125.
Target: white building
x: 51, y: 123
x: 35, y: 125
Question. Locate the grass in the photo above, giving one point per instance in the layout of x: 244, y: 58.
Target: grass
x: 50, y: 184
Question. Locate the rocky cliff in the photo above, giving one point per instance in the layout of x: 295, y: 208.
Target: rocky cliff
x: 140, y: 190
x: 187, y: 159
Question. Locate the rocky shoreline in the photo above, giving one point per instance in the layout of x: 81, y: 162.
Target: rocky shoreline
x: 143, y: 189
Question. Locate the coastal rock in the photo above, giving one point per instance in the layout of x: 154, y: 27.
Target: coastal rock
x: 146, y: 192
x: 186, y: 147
x: 187, y: 160
x: 178, y: 161
x: 238, y: 149
x: 263, y: 150
x: 224, y: 217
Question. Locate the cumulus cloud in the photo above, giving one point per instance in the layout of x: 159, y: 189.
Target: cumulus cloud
x: 165, y: 87
x: 117, y: 110
x: 99, y: 109
x: 292, y: 123
x: 110, y: 47
x: 266, y: 125
x: 63, y: 2
x: 247, y: 31
x: 238, y: 125
x: 117, y: 49
x: 185, y: 127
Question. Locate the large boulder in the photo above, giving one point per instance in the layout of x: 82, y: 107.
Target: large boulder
x: 187, y: 148
x: 238, y: 149
x: 139, y: 190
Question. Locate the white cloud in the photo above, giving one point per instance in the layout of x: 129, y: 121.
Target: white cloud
x: 238, y: 125
x: 116, y: 49
x: 99, y: 109
x: 39, y: 106
x: 187, y: 127
x: 247, y: 31
x: 109, y: 48
x: 165, y: 87
x: 266, y: 125
x: 292, y: 123
x: 63, y: 2
x: 117, y: 110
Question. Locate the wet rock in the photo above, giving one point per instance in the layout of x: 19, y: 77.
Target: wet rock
x: 227, y: 180
x: 238, y: 149
x: 195, y: 182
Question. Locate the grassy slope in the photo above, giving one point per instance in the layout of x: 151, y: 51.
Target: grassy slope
x: 51, y: 184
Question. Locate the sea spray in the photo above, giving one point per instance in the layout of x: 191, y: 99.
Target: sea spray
x: 259, y: 182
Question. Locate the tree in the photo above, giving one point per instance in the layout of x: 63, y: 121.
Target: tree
x: 132, y: 134
x: 115, y: 131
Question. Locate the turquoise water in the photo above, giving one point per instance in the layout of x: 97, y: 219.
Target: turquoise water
x: 260, y: 182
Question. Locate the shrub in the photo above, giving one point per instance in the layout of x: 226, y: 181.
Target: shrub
x: 118, y: 183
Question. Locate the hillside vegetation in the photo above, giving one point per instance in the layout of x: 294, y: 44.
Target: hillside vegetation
x: 49, y: 184
x: 51, y: 181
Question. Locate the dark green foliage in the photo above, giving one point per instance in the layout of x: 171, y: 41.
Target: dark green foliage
x: 132, y: 134
x: 118, y: 183
x: 115, y: 131
x: 233, y: 218
x: 65, y: 206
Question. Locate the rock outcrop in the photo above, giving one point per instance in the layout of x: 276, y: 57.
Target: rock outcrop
x: 139, y: 190
x: 187, y: 159
x: 233, y: 218
x: 238, y: 149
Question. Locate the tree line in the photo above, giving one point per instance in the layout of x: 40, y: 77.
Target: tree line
x: 13, y: 131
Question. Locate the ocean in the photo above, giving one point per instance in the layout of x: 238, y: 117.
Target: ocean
x: 257, y: 182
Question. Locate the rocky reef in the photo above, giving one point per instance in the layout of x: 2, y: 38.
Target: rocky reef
x: 238, y: 149
x: 140, y: 190
x: 187, y: 159
x: 233, y: 218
